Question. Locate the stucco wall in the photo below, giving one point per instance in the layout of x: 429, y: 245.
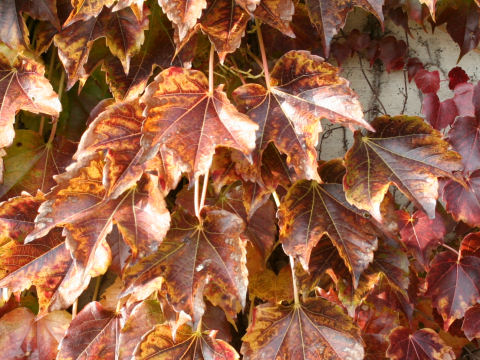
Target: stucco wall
x: 436, y: 50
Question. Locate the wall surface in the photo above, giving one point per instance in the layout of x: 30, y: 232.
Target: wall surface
x: 436, y: 51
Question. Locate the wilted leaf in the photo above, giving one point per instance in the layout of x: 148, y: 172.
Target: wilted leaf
x: 194, y: 257
x: 453, y: 281
x: 303, y: 90
x: 421, y: 234
x: 310, y: 210
x: 23, y: 336
x: 182, y: 116
x: 316, y: 329
x: 329, y: 16
x: 23, y: 86
x: 424, y: 344
x: 159, y: 344
x: 404, y: 151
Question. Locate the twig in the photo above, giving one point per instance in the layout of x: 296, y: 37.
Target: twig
x: 371, y: 86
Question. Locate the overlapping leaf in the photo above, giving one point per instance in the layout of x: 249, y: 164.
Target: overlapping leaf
x: 45, y: 262
x: 196, y: 257
x: 183, y: 13
x: 310, y: 210
x: 329, y: 16
x: 22, y: 335
x: 159, y: 344
x: 465, y: 139
x: 453, y: 281
x: 423, y: 344
x: 185, y: 118
x: 316, y: 329
x: 303, y: 90
x: 23, y: 86
x: 77, y: 203
x: 404, y: 151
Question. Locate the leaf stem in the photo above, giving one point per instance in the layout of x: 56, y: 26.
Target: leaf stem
x: 451, y: 249
x: 74, y: 308
x: 195, y: 197
x: 210, y: 69
x: 49, y: 76
x: 262, y: 52
x: 204, y: 192
x: 61, y: 86
x: 276, y: 199
x: 294, y: 281
x: 98, y: 280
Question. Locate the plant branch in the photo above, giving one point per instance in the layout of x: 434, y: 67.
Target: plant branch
x: 262, y: 52
x: 371, y: 86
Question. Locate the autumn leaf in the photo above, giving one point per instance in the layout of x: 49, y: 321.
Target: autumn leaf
x: 194, y: 256
x: 22, y: 335
x: 276, y: 13
x: 92, y: 334
x: 271, y: 287
x: 316, y: 329
x: 329, y: 16
x: 421, y: 345
x: 23, y: 86
x: 403, y: 151
x: 453, y: 280
x: 310, y: 210
x: 78, y: 199
x: 160, y: 344
x: 464, y: 137
x: 182, y: 116
x: 303, y: 90
x: 420, y: 234
x: 30, y: 164
x: 45, y: 262
x: 183, y: 13
x: 86, y: 9
x: 463, y: 202
x: 471, y: 322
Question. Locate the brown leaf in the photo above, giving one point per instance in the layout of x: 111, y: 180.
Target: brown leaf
x: 78, y: 199
x: 23, y: 336
x: 453, y: 281
x: 45, y: 262
x: 303, y: 90
x: 23, y: 86
x: 329, y: 16
x: 86, y: 9
x: 471, y: 323
x: 404, y: 151
x: 194, y: 257
x: 159, y: 344
x: 92, y: 335
x: 183, y: 13
x: 183, y: 117
x: 316, y: 329
x: 423, y: 344
x: 310, y: 210
x: 276, y: 13
x: 271, y: 287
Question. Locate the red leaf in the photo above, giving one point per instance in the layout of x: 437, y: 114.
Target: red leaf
x: 392, y: 53
x: 457, y: 76
x: 465, y: 139
x: 471, y: 323
x: 427, y: 81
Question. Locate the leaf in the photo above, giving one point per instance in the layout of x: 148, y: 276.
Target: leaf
x: 427, y: 81
x: 31, y: 164
x: 45, y: 262
x: 159, y: 344
x: 303, y: 90
x: 182, y: 116
x: 276, y: 13
x: 464, y: 137
x: 271, y: 287
x: 92, y: 335
x: 464, y: 202
x: 457, y: 76
x: 22, y: 335
x: 420, y: 234
x: 127, y: 86
x: 453, y: 281
x: 403, y: 151
x: 310, y: 210
x: 85, y: 9
x: 316, y: 329
x: 471, y: 322
x: 23, y: 86
x: 329, y: 16
x: 183, y: 13
x: 194, y: 257
x: 424, y: 344
x: 75, y: 203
